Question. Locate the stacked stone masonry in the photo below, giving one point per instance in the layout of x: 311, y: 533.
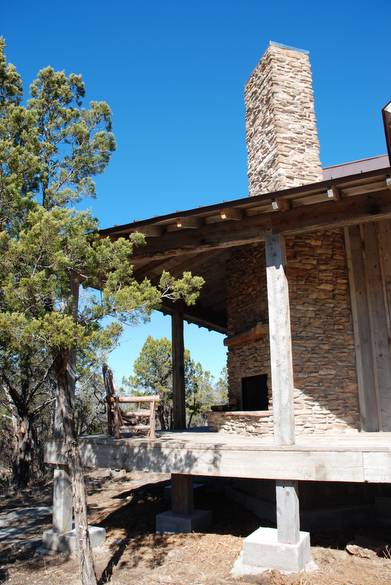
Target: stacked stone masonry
x: 326, y: 393
x: 282, y: 138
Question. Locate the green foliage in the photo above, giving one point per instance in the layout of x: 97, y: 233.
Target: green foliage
x: 51, y: 148
x: 75, y: 142
x: 153, y: 374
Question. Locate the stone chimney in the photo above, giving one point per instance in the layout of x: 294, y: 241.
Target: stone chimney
x: 282, y: 138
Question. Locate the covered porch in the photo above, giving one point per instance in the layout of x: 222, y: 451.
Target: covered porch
x: 328, y: 244
x: 322, y: 399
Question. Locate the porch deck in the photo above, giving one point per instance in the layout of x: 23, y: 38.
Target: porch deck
x: 354, y: 457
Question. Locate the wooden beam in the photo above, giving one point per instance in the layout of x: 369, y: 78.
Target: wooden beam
x: 333, y: 193
x: 178, y: 371
x: 62, y: 501
x: 341, y: 458
x: 330, y: 214
x: 152, y: 231
x: 347, y: 211
x: 384, y: 236
x: 280, y: 204
x: 216, y: 236
x: 253, y: 334
x: 366, y: 182
x: 378, y: 321
x: 280, y: 341
x: 362, y: 330
x: 191, y: 223
x: 231, y: 213
x: 288, y: 512
x: 199, y: 316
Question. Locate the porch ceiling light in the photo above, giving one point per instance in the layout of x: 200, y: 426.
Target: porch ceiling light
x: 231, y: 214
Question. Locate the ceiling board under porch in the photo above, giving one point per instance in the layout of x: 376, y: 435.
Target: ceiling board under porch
x: 210, y: 310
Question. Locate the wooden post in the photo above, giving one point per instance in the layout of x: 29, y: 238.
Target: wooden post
x: 280, y: 341
x: 367, y: 389
x: 152, y: 421
x: 182, y: 494
x: 287, y: 502
x: 178, y: 371
x: 62, y: 483
x: 62, y: 501
x: 288, y: 513
x: 379, y: 325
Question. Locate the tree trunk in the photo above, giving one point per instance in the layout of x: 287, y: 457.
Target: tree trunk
x: 24, y: 452
x: 160, y: 412
x: 65, y: 383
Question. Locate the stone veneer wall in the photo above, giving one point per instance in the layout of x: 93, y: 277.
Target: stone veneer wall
x: 281, y: 133
x: 326, y: 394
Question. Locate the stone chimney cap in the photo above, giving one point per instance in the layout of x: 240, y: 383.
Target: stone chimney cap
x: 274, y: 44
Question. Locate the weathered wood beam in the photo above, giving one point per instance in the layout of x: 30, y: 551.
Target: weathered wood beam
x: 288, y: 511
x: 330, y: 214
x: 280, y: 340
x: 378, y: 321
x: 178, y: 371
x: 231, y: 214
x: 253, y: 334
x: 362, y: 330
x: 224, y: 234
x: 280, y: 204
x: 152, y: 231
x: 357, y: 459
x: 62, y: 501
x: 333, y: 193
x: 188, y: 223
x: 384, y: 235
x: 251, y: 229
x: 199, y: 316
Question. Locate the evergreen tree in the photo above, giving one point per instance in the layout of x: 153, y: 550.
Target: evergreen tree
x: 153, y: 374
x: 51, y: 256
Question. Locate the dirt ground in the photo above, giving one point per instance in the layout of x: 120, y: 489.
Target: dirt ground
x: 133, y: 554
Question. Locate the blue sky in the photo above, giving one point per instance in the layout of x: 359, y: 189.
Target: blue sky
x: 173, y: 73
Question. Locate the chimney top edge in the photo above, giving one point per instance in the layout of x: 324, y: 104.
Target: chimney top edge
x: 282, y: 46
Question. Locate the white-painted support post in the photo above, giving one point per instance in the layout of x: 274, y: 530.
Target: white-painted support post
x: 178, y: 372
x: 280, y: 341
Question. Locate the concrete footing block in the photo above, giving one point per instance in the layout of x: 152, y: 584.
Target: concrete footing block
x: 55, y: 542
x: 169, y: 521
x: 262, y: 552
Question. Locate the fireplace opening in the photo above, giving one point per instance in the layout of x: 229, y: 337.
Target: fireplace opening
x: 255, y: 393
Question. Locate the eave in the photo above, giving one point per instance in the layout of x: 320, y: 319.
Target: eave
x: 201, y: 239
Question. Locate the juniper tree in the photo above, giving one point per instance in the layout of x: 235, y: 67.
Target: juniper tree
x: 153, y: 373
x: 52, y: 250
